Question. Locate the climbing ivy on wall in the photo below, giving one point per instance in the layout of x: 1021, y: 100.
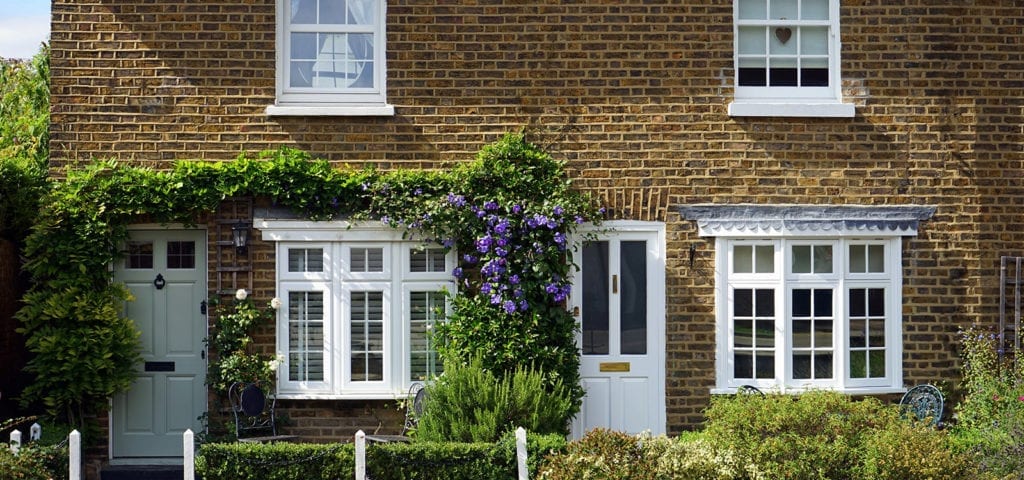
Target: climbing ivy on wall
x: 508, y: 214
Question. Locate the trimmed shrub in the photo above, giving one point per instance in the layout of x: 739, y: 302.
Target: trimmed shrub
x: 694, y: 457
x: 603, y: 454
x: 470, y: 404
x: 34, y: 462
x: 827, y: 435
x: 912, y: 451
x: 391, y: 461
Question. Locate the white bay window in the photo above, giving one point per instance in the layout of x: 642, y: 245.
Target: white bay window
x: 359, y: 307
x: 808, y: 297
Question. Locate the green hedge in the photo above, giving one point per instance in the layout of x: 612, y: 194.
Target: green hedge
x: 391, y: 461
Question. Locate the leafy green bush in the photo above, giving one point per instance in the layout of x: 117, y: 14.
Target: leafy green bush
x: 34, y: 462
x: 694, y: 457
x: 604, y: 454
x: 471, y: 404
x: 990, y: 418
x: 392, y: 461
x: 912, y: 451
x: 827, y: 435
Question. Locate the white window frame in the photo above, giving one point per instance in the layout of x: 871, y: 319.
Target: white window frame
x: 330, y: 102
x: 337, y: 238
x: 751, y: 101
x: 784, y: 282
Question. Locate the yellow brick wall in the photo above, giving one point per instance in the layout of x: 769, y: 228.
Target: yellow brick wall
x: 633, y: 95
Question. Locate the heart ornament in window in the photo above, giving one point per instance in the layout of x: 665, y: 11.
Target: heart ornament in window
x: 783, y: 34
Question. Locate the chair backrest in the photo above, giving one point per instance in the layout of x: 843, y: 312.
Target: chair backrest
x: 252, y: 410
x: 923, y: 402
x: 413, y: 410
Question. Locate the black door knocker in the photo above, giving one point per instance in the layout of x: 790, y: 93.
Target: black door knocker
x: 159, y: 282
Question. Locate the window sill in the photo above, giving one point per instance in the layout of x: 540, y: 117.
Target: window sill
x: 797, y: 391
x: 793, y: 108
x: 335, y: 396
x: 383, y: 110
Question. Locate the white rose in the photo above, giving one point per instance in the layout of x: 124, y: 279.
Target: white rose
x: 275, y: 303
x: 241, y: 294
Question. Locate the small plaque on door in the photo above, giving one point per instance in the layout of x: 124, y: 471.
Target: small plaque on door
x: 159, y: 366
x: 614, y: 366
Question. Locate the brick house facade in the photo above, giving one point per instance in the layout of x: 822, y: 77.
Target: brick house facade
x: 640, y: 98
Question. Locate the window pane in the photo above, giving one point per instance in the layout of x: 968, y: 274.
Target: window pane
x: 633, y: 298
x: 858, y: 364
x: 743, y: 364
x: 764, y: 258
x: 743, y: 302
x: 802, y: 365
x: 426, y: 309
x: 426, y: 260
x: 305, y: 259
x: 858, y: 262
x: 765, y: 302
x: 822, y: 302
x: 743, y: 259
x: 783, y: 9
x: 305, y: 336
x: 876, y: 363
x: 140, y: 255
x: 876, y: 302
x: 367, y: 260
x: 801, y: 333
x: 753, y: 9
x: 814, y: 9
x: 752, y: 72
x: 857, y: 302
x: 303, y: 11
x: 303, y: 46
x: 367, y: 332
x: 595, y: 298
x: 801, y: 304
x: 765, y: 366
x: 876, y: 258
x: 876, y: 333
x: 300, y: 74
x: 362, y: 12
x: 743, y: 333
x: 801, y: 259
x: 823, y: 259
x: 858, y: 334
x: 822, y: 365
x: 181, y: 254
x: 752, y: 41
x: 331, y: 11
x: 814, y: 41
x: 776, y: 46
x: 765, y: 333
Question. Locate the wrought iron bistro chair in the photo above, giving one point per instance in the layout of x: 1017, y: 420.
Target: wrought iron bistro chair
x: 413, y: 410
x: 923, y: 402
x: 749, y: 390
x: 254, y: 414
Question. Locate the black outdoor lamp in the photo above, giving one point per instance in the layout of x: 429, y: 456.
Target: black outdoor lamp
x: 240, y: 237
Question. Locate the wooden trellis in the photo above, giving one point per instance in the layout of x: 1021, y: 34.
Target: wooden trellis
x: 1010, y: 269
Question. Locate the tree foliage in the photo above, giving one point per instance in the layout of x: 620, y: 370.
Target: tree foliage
x: 24, y: 140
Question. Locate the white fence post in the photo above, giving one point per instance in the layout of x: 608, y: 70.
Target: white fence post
x: 35, y: 432
x: 75, y: 455
x: 524, y: 474
x: 188, y: 445
x: 360, y: 455
x: 15, y: 441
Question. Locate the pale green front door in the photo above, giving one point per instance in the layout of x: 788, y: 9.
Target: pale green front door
x: 165, y: 270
